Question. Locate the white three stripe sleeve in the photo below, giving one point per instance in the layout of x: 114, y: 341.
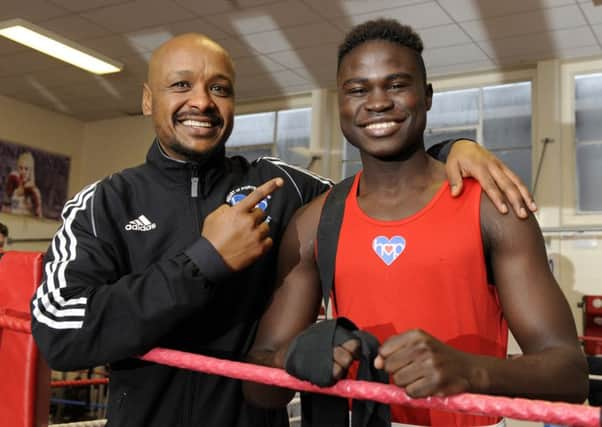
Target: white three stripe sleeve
x: 49, y: 306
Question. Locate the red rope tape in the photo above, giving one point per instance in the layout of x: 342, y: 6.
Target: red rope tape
x: 594, y: 339
x: 522, y: 409
x: 14, y: 323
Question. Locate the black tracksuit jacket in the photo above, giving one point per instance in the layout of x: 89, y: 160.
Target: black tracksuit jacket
x: 128, y: 271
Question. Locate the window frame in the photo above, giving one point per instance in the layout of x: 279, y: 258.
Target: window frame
x: 570, y: 212
x: 270, y: 106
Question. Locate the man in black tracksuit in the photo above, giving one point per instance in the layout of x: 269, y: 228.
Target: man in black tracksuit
x: 136, y: 275
x: 178, y: 252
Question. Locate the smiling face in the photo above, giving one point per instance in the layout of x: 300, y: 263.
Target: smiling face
x: 190, y: 95
x: 25, y: 167
x: 383, y: 99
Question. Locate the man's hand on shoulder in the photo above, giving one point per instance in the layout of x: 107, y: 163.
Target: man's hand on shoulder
x: 469, y: 159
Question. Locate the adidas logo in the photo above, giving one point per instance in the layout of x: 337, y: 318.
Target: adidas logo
x: 140, y: 224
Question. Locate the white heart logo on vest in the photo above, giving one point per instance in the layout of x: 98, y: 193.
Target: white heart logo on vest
x: 388, y: 249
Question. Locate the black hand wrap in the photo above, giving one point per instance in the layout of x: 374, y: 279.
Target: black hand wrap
x: 310, y: 358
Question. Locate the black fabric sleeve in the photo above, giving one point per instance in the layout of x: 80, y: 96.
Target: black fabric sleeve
x: 440, y: 151
x: 208, y: 261
x: 86, y: 312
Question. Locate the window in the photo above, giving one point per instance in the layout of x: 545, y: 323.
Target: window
x: 284, y: 134
x: 497, y: 116
x: 588, y: 141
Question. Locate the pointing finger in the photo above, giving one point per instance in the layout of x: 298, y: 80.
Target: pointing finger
x: 259, y: 194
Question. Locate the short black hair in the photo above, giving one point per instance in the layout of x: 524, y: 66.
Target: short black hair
x: 389, y: 30
x: 3, y: 229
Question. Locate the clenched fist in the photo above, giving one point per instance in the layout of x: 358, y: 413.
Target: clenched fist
x: 425, y: 366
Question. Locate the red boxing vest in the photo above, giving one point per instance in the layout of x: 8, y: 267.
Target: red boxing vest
x: 425, y: 271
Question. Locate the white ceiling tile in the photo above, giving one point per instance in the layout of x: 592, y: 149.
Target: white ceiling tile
x: 525, y: 23
x: 26, y: 62
x: 255, y: 83
x: 422, y: 15
x: 257, y: 64
x: 280, y: 79
x: 80, y: 6
x: 271, y: 91
x: 39, y: 94
x: 598, y: 31
x: 83, y: 90
x: 128, y: 101
x: 579, y: 52
x: 445, y: 35
x: 117, y: 86
x: 592, y: 13
x: 74, y: 27
x: 137, y: 14
x: 149, y: 39
x: 294, y: 38
x: 206, y: 8
x: 287, y: 78
x: 32, y: 10
x: 531, y: 58
x: 61, y: 76
x: 134, y: 64
x: 319, y: 56
x: 296, y: 89
x: 459, y: 68
x: 319, y: 76
x: 9, y: 46
x: 197, y: 26
x: 243, y: 4
x: 545, y: 43
x: 266, y: 18
x: 470, y: 10
x: 112, y: 46
x: 236, y: 47
x: 14, y: 85
x: 334, y: 8
x: 451, y: 55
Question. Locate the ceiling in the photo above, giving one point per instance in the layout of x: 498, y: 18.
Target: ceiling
x: 279, y: 46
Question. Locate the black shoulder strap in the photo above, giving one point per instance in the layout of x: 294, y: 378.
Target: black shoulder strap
x: 328, y: 234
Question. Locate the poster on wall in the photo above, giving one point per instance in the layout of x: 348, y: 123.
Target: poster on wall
x: 33, y: 182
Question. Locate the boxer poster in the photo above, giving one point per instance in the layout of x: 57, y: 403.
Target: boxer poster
x: 33, y: 182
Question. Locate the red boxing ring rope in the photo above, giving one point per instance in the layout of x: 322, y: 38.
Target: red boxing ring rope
x: 522, y: 409
x: 594, y: 339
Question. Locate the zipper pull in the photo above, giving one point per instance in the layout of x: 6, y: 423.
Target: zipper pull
x: 194, y: 182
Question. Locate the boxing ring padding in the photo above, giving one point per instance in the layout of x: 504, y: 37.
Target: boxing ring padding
x: 25, y: 379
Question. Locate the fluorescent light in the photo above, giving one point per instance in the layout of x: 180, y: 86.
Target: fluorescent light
x: 58, y: 47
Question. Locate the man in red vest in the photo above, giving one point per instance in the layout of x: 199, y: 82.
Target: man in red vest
x: 436, y: 279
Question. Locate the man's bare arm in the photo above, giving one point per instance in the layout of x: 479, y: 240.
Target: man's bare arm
x: 294, y: 306
x: 552, y: 367
x: 467, y: 158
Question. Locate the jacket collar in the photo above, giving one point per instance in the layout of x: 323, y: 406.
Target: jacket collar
x: 209, y: 170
